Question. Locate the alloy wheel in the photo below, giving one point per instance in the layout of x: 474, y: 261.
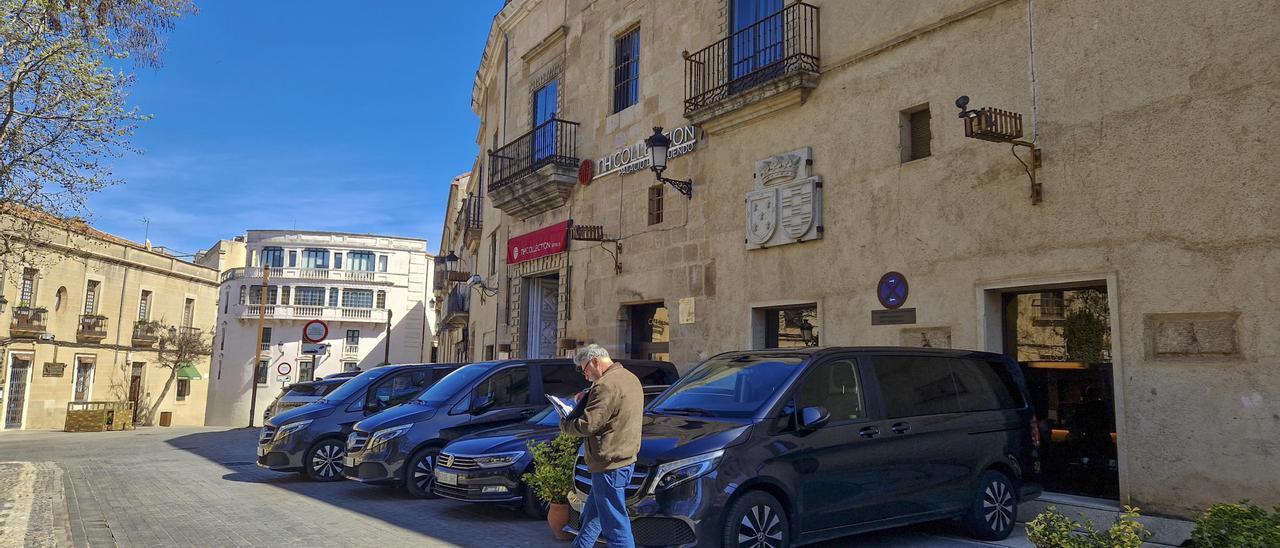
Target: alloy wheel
x: 327, y: 460
x: 997, y: 506
x: 760, y: 528
x: 423, y: 472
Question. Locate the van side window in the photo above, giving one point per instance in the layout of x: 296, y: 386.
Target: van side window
x: 916, y: 385
x: 402, y: 387
x: 833, y: 385
x: 508, y: 388
x: 562, y: 380
x: 985, y: 385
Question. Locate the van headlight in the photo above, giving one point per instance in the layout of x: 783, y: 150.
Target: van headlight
x: 674, y: 473
x: 383, y: 436
x: 498, y: 460
x: 291, y: 429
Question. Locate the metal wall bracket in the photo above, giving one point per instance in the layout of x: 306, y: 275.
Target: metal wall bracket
x: 683, y: 187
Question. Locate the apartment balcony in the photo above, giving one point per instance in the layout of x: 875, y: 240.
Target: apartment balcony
x: 298, y: 312
x: 146, y: 334
x: 767, y: 66
x: 471, y: 219
x: 350, y: 350
x: 92, y: 328
x: 29, y: 323
x: 457, y: 306
x: 535, y: 172
x: 321, y: 274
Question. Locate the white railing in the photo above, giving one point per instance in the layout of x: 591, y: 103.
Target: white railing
x: 292, y: 312
x: 350, y: 350
x: 308, y: 274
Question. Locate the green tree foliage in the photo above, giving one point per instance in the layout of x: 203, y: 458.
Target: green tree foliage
x: 65, y: 71
x: 1087, y: 333
x: 553, y: 462
x: 1052, y: 529
x: 1241, y: 525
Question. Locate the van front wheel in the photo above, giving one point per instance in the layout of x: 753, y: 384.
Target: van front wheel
x: 324, y: 460
x: 419, y: 473
x: 756, y: 520
x: 994, y: 509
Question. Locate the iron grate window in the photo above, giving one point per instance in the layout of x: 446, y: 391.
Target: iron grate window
x: 918, y: 135
x: 626, y: 70
x: 655, y: 204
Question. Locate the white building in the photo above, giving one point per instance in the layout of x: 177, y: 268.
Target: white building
x: 370, y: 291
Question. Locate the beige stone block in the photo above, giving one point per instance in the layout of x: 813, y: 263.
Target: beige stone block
x: 1195, y: 334
x: 926, y: 337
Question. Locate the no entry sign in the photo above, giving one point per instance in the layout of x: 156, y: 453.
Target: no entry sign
x: 283, y: 368
x: 315, y: 331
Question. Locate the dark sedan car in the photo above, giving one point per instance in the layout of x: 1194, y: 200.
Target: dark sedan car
x: 487, y: 466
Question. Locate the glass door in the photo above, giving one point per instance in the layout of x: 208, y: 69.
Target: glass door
x: 544, y: 111
x: 757, y: 41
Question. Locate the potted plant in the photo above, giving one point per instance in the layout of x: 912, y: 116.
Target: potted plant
x: 552, y: 478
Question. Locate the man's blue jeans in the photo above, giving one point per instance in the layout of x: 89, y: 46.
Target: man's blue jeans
x: 605, y: 512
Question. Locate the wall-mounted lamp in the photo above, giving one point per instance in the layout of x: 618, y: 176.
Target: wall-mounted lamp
x: 3, y: 303
x: 658, y: 145
x: 1001, y: 126
x: 477, y: 281
x: 806, y: 333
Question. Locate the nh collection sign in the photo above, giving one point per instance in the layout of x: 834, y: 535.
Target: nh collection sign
x: 684, y: 139
x: 539, y: 243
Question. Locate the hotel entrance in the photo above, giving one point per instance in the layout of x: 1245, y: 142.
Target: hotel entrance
x: 1062, y: 339
x: 542, y: 321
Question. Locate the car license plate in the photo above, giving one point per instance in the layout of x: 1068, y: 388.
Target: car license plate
x: 349, y: 461
x: 447, y: 478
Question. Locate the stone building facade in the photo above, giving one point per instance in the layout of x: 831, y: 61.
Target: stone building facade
x: 1124, y: 217
x: 370, y: 291
x: 84, y: 315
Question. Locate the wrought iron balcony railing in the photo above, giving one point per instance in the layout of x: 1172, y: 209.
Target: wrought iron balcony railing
x: 92, y: 327
x: 146, y: 334
x: 28, y: 322
x: 457, y: 305
x: 553, y: 142
x: 779, y: 45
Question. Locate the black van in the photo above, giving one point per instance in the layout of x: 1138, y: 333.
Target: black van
x: 399, y: 446
x: 782, y: 447
x: 312, y: 438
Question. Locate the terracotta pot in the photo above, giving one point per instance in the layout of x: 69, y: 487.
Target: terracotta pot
x: 557, y: 518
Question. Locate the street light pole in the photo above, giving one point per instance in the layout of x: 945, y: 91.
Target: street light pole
x: 386, y: 345
x: 257, y: 348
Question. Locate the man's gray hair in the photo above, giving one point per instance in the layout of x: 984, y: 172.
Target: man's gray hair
x: 588, y: 353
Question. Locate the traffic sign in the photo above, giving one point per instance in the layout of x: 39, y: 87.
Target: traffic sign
x: 315, y: 349
x: 315, y: 331
x: 892, y: 290
x: 283, y: 368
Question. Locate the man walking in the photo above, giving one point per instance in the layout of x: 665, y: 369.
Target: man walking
x: 610, y: 422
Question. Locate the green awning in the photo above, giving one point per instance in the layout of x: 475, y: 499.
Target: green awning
x: 189, y: 372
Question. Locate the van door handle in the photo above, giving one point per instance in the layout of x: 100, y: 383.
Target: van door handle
x: 527, y: 413
x: 869, y: 432
x: 900, y: 427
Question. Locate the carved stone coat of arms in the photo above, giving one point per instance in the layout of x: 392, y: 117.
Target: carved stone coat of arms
x: 785, y: 206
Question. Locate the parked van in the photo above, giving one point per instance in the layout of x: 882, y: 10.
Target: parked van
x: 783, y: 447
x: 312, y: 438
x: 400, y: 445
x: 299, y: 394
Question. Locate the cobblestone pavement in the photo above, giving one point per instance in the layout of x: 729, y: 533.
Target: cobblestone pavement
x: 200, y: 487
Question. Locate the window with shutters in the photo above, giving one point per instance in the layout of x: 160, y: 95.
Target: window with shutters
x: 916, y: 134
x: 144, y: 306
x: 655, y: 204
x: 28, y: 294
x: 91, y: 297
x: 188, y: 312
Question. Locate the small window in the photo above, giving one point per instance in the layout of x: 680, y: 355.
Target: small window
x: 350, y: 366
x: 380, y: 301
x: 626, y: 70
x: 244, y: 294
x: 337, y: 261
x: 225, y: 297
x: 382, y: 263
x: 91, y: 297
x: 293, y: 258
x: 284, y: 295
x: 260, y: 375
x: 188, y: 312
x: 266, y: 338
x: 306, y: 370
x: 28, y: 294
x: 353, y: 336
x: 333, y: 296
x: 655, y: 204
x: 488, y: 353
x: 59, y: 297
x: 184, y: 389
x: 916, y: 135
x: 493, y: 253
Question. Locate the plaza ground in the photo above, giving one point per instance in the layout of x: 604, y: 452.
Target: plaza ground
x: 200, y: 487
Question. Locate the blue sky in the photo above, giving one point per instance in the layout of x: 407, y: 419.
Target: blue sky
x: 315, y: 115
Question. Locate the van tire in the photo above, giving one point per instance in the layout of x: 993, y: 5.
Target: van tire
x: 323, y: 461
x: 756, y: 514
x: 993, y: 513
x: 422, y: 462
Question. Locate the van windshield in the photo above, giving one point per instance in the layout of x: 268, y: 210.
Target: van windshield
x: 356, y: 385
x: 459, y: 379
x: 734, y: 386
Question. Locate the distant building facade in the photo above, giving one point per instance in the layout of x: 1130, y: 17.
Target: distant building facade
x: 85, y: 312
x: 370, y: 291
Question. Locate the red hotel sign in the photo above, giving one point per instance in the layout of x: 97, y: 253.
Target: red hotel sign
x: 539, y: 243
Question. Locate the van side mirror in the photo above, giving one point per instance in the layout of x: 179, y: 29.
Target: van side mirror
x: 480, y: 404
x: 813, y: 418
x: 373, y: 405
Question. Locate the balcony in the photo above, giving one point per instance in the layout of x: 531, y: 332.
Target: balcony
x: 28, y: 323
x: 535, y: 172
x: 92, y: 328
x: 322, y: 274
x: 471, y: 219
x: 768, y: 66
x: 146, y: 334
x: 457, y: 306
x: 298, y: 312
x: 350, y: 350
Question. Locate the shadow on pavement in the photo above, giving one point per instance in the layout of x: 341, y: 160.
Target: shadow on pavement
x: 235, y: 450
